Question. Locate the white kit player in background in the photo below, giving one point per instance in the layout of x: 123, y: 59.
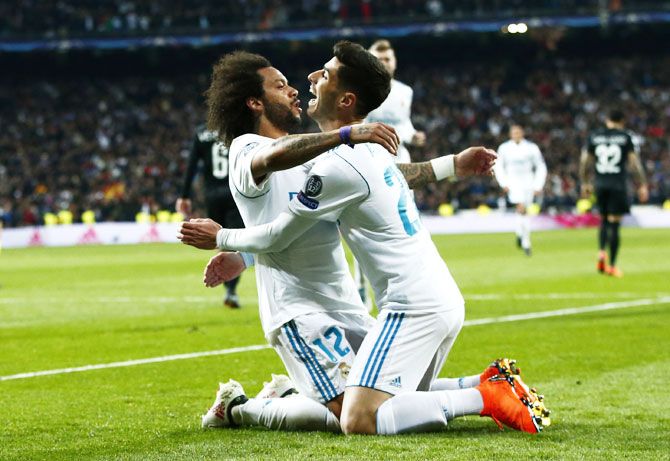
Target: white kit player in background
x: 521, y: 173
x: 421, y: 309
x: 396, y: 110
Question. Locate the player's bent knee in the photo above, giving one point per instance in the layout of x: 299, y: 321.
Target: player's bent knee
x: 359, y: 410
x: 358, y: 422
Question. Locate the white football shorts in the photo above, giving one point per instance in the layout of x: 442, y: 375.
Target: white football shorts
x: 405, y: 350
x: 523, y: 195
x: 318, y: 350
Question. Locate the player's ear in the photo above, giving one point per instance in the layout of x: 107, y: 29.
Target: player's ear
x: 347, y: 101
x: 255, y: 104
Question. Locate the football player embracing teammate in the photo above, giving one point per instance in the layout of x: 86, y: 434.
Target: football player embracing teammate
x: 357, y: 188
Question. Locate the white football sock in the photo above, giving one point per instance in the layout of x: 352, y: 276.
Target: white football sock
x: 293, y: 413
x: 426, y: 411
x: 452, y: 384
x: 525, y: 229
x: 519, y: 225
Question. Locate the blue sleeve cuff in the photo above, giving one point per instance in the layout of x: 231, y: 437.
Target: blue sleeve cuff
x: 248, y: 259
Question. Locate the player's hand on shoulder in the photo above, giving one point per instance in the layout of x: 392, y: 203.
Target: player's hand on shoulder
x: 378, y: 133
x: 199, y: 233
x: 475, y: 161
x: 223, y: 267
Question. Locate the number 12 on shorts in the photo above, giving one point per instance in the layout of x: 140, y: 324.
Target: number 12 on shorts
x: 336, y: 345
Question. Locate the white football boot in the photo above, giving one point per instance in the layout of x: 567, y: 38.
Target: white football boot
x: 280, y: 386
x: 229, y: 395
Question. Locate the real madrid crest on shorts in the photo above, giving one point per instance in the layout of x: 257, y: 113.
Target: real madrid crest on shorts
x: 313, y: 186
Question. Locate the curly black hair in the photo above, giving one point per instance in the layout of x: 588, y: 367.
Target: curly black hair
x: 234, y: 79
x: 362, y: 74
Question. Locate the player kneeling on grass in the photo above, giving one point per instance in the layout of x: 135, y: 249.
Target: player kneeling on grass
x: 360, y: 188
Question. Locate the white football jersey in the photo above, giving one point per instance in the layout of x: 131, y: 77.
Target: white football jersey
x: 312, y: 274
x: 520, y: 166
x: 396, y: 111
x: 363, y: 191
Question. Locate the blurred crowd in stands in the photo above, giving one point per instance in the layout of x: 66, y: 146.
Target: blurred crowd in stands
x: 71, y: 18
x: 119, y: 146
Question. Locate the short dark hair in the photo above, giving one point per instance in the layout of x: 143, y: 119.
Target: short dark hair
x: 234, y: 79
x: 617, y: 116
x: 362, y: 74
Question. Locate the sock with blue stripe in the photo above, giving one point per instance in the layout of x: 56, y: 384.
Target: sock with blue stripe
x: 426, y: 411
x: 293, y: 413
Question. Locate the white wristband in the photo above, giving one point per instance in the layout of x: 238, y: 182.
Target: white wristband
x: 221, y: 237
x: 444, y: 167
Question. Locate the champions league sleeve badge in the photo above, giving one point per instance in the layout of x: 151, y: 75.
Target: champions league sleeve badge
x: 313, y: 186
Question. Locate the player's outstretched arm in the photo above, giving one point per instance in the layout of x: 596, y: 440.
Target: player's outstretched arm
x: 293, y: 150
x: 471, y: 161
x: 266, y: 238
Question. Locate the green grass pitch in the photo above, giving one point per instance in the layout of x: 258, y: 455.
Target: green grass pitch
x: 605, y: 374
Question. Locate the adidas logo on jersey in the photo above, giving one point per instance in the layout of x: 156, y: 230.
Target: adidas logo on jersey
x: 395, y: 382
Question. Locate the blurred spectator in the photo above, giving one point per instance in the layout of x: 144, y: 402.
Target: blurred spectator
x: 118, y: 146
x: 69, y: 18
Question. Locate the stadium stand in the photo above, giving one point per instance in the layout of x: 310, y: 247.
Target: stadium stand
x: 117, y: 146
x: 77, y: 18
x: 94, y: 131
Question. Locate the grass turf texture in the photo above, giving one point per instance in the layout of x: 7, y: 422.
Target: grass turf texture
x: 604, y: 374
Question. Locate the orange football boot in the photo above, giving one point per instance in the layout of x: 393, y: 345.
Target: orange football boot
x: 519, y: 409
x: 613, y: 271
x: 601, y: 265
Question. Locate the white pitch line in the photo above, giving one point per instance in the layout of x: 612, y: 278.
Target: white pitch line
x: 130, y: 363
x: 531, y: 296
x: 467, y: 323
x: 569, y: 311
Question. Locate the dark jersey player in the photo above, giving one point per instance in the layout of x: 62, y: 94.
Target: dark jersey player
x: 612, y: 150
x: 218, y: 199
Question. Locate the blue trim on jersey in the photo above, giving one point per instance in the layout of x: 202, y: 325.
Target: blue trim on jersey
x: 329, y: 392
x: 308, y: 365
x: 388, y: 346
x: 371, y: 364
